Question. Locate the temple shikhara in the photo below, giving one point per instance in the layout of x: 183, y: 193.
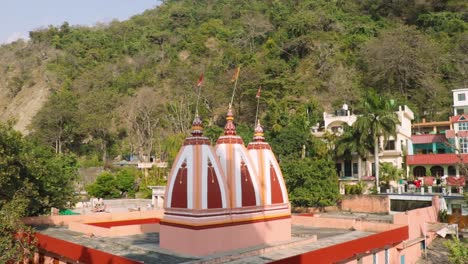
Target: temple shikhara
x: 224, y: 198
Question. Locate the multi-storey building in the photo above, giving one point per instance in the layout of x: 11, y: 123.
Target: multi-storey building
x: 358, y: 168
x: 443, y: 152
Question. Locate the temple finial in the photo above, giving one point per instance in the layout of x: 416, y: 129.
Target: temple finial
x: 230, y: 128
x: 258, y: 133
x: 197, y: 126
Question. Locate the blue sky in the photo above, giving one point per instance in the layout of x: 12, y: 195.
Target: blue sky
x: 18, y: 17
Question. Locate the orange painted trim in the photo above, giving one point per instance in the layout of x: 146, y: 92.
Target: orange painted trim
x: 223, y: 224
x: 126, y: 222
x: 349, y: 250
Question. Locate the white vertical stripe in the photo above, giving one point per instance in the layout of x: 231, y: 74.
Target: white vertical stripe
x: 204, y: 175
x: 190, y: 175
x: 267, y: 176
x: 237, y: 174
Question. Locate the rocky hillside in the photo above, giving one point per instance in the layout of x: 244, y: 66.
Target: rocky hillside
x: 94, y: 85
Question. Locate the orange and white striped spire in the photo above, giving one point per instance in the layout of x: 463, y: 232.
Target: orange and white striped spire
x: 196, y: 183
x: 241, y: 175
x: 269, y: 172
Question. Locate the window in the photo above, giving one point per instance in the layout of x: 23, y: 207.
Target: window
x: 463, y: 126
x: 461, y: 97
x: 463, y: 145
x: 460, y: 111
x: 387, y: 256
x: 373, y: 169
x: 375, y: 258
x: 390, y: 145
x: 338, y: 169
x: 419, y: 171
x: 355, y: 168
x: 452, y: 171
x: 437, y: 171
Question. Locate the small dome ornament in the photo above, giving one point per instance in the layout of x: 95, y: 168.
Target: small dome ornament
x: 258, y: 133
x: 230, y: 128
x: 197, y: 127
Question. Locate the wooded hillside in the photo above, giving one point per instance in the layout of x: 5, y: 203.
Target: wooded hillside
x: 128, y: 87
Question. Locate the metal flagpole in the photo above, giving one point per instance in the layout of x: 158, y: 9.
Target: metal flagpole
x: 235, y: 86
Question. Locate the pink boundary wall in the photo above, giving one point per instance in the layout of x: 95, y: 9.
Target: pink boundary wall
x: 207, y: 241
x: 91, y: 218
x: 125, y: 230
x: 366, y: 203
x: 417, y: 221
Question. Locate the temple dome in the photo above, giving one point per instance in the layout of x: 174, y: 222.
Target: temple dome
x: 196, y: 181
x: 238, y: 167
x: 269, y: 172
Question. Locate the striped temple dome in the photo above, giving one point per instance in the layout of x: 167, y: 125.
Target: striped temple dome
x: 269, y: 172
x: 196, y: 181
x: 238, y: 167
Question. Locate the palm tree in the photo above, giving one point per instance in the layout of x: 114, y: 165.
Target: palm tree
x: 348, y: 143
x: 377, y: 120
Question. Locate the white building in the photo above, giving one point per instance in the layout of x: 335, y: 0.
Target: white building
x: 363, y: 168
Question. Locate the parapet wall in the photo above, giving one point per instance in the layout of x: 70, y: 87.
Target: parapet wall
x: 327, y: 222
x: 366, y: 204
x: 418, y: 219
x: 98, y: 217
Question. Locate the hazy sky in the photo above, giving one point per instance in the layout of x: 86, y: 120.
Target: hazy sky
x: 18, y: 17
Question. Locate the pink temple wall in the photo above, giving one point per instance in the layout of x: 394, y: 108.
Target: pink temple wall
x: 212, y: 240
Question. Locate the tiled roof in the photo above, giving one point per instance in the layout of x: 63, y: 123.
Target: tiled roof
x: 459, y: 118
x: 435, y: 159
x: 428, y: 138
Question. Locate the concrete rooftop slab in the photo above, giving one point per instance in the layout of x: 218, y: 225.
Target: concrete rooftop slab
x: 145, y: 247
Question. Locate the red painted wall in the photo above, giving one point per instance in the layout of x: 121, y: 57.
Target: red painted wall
x: 349, y: 249
x: 75, y: 252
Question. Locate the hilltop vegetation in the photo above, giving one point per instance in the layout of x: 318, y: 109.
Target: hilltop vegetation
x: 128, y: 87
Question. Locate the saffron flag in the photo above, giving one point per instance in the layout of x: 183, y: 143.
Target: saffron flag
x: 236, y: 75
x: 258, y: 92
x: 200, y: 80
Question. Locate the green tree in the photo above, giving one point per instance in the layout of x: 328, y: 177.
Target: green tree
x: 33, y: 179
x: 404, y: 61
x: 114, y: 185
x: 104, y: 187
x: 311, y: 182
x: 97, y: 117
x: 349, y: 141
x: 377, y: 120
x: 126, y: 179
x: 388, y: 172
x: 16, y: 239
x: 45, y: 178
x: 55, y: 124
x: 458, y: 250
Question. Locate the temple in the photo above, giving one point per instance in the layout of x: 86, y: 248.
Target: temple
x: 225, y: 198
